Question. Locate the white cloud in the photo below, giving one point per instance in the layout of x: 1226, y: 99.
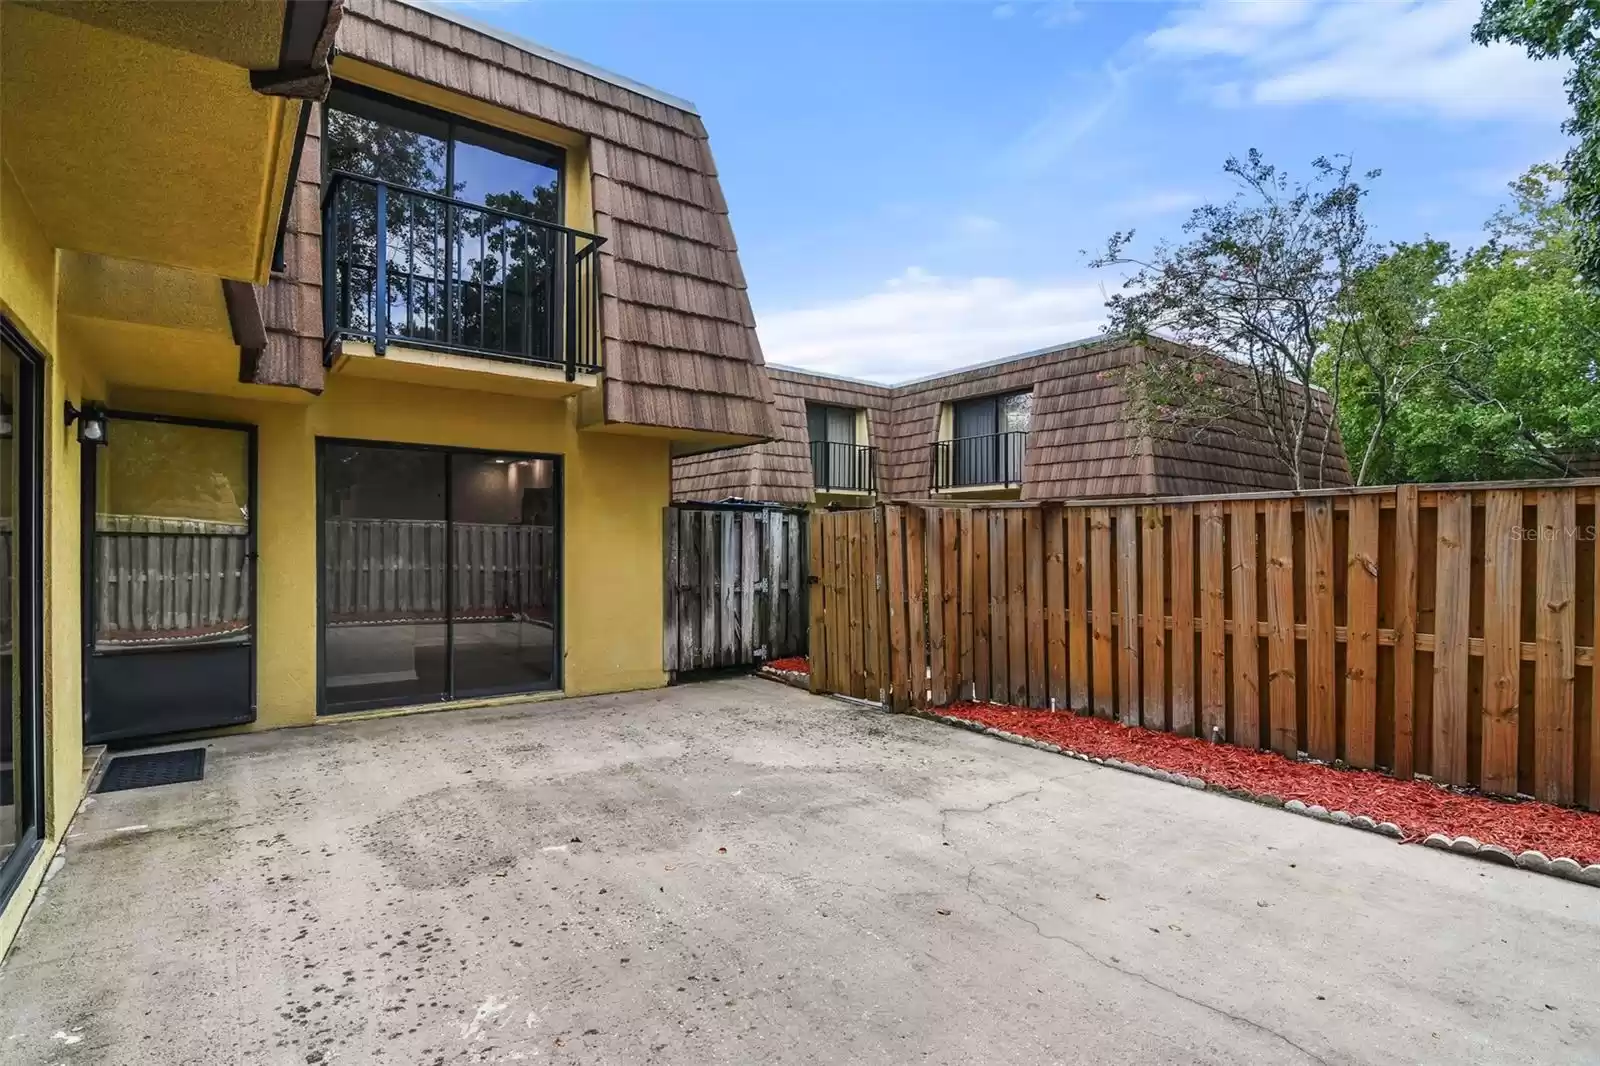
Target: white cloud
x: 920, y: 324
x: 1415, y: 55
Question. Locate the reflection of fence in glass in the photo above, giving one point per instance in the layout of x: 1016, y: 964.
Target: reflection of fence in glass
x: 170, y: 581
x: 394, y: 570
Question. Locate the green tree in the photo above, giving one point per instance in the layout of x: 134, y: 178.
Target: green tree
x: 1486, y: 361
x: 1570, y: 30
x: 1254, y: 289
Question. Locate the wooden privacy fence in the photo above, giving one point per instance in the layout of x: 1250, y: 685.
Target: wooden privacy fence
x: 386, y: 569
x: 1439, y: 630
x: 734, y: 581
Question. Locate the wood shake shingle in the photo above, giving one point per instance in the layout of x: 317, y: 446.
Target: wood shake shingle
x: 680, y: 348
x: 1082, y: 442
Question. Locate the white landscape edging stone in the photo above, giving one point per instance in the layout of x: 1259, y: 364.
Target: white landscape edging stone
x: 1532, y: 861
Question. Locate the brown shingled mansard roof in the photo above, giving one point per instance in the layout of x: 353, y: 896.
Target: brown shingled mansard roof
x: 1082, y: 442
x: 680, y: 347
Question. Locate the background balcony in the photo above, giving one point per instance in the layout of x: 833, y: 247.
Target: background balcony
x: 994, y: 459
x: 843, y: 467
x: 458, y: 277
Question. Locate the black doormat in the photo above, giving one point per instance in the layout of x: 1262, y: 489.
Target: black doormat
x: 153, y: 768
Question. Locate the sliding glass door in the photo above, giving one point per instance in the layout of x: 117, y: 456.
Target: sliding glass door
x: 440, y: 574
x: 21, y: 578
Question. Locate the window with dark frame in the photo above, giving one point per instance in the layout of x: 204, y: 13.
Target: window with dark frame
x: 987, y: 441
x: 472, y: 232
x: 838, y: 460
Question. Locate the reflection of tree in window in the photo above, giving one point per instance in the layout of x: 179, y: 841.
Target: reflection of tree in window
x: 1016, y: 412
x: 501, y: 269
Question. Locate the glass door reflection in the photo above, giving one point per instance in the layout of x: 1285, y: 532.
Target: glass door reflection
x: 385, y: 622
x: 440, y: 574
x: 504, y: 574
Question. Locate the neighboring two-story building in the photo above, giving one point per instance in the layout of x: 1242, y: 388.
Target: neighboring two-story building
x: 335, y: 379
x: 1050, y: 424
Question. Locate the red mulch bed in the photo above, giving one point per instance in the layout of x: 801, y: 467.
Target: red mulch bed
x: 795, y: 664
x: 1417, y: 807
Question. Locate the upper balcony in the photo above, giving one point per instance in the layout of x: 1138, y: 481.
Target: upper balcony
x: 850, y: 468
x: 986, y: 461
x: 458, y: 278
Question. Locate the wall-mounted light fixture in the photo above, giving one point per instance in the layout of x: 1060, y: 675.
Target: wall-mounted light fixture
x: 91, y: 420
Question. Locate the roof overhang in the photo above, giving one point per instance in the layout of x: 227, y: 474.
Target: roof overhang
x: 161, y: 131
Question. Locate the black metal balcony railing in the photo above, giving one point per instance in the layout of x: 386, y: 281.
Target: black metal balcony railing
x: 843, y: 467
x: 992, y: 459
x: 458, y: 277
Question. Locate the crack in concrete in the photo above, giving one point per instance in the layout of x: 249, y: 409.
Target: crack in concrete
x: 946, y: 812
x: 1142, y: 978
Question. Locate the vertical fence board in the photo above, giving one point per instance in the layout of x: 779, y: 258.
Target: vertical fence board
x: 1554, y: 665
x: 949, y: 569
x: 1128, y: 608
x: 1322, y: 723
x: 916, y: 606
x: 1281, y: 695
x: 1406, y: 518
x: 899, y: 660
x: 857, y: 605
x: 1361, y: 623
x: 1055, y: 592
x: 818, y: 642
x: 999, y: 621
x: 1453, y: 561
x: 872, y: 585
x: 710, y: 594
x: 1502, y: 640
x: 1016, y: 607
x: 933, y: 535
x: 1077, y: 522
x: 749, y: 534
x: 1591, y: 796
x: 1246, y: 726
x: 1099, y: 566
x: 969, y: 635
x: 1180, y: 590
x: 1033, y: 554
x: 1153, y: 714
x: 982, y: 663
x: 1213, y: 613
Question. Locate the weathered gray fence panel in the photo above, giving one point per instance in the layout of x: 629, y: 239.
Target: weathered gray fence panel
x: 734, y: 586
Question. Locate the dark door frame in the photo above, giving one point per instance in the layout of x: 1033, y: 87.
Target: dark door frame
x: 558, y: 638
x: 88, y: 508
x: 27, y: 640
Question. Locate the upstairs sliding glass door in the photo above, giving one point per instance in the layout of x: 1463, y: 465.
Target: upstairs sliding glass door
x: 440, y: 574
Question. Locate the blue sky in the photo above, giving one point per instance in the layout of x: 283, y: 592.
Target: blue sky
x: 913, y: 184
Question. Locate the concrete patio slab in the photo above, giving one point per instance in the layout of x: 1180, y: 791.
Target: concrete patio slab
x: 737, y: 872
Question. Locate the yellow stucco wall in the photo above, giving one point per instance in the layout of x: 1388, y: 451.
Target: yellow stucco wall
x: 28, y: 288
x: 27, y: 265
x: 614, y: 490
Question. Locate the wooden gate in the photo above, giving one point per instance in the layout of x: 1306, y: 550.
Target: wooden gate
x: 734, y: 581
